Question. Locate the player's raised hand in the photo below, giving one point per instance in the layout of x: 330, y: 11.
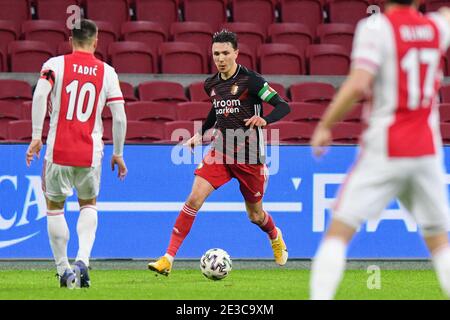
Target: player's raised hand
x: 194, y: 141
x: 121, y: 165
x: 321, y: 138
x: 33, y: 149
x: 255, y: 121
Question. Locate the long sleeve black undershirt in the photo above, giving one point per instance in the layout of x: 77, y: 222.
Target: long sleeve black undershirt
x: 281, y: 109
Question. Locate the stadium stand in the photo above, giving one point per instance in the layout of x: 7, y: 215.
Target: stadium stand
x: 280, y: 58
x: 314, y: 92
x: 133, y: 57
x: 150, y: 33
x: 327, y: 59
x: 308, y: 12
x: 172, y: 37
x: 156, y: 112
x: 161, y: 91
x: 194, y: 10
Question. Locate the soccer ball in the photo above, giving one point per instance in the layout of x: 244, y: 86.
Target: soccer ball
x: 215, y: 264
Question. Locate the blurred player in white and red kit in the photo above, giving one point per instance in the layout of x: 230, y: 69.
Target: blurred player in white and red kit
x: 397, y: 56
x: 76, y: 87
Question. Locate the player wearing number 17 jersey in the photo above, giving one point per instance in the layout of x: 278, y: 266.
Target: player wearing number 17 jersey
x: 76, y: 87
x: 398, y: 57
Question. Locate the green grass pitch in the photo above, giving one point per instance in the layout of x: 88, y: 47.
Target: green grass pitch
x: 248, y: 284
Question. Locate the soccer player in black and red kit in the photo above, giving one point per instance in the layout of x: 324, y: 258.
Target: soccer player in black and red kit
x: 238, y: 152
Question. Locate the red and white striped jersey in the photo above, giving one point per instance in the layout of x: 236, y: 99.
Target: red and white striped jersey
x: 82, y: 86
x: 404, y: 50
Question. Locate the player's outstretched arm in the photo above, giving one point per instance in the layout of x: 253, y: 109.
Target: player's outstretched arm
x: 119, y: 132
x: 356, y: 85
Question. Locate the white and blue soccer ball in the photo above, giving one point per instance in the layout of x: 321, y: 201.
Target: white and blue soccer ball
x: 215, y: 264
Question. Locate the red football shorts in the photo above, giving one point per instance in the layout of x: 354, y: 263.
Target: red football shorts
x: 252, y: 177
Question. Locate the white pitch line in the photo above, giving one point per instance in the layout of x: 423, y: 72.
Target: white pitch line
x: 177, y: 206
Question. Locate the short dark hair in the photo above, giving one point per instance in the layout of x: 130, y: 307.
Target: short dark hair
x: 85, y: 33
x: 225, y: 35
x: 404, y: 2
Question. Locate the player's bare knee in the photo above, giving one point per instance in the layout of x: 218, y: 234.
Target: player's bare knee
x: 195, y: 201
x: 87, y: 202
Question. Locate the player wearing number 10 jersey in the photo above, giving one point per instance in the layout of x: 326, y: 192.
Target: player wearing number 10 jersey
x: 76, y: 87
x: 397, y: 55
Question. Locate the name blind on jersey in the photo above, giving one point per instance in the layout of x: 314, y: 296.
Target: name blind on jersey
x: 416, y: 33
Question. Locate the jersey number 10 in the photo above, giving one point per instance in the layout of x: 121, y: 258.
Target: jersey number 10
x: 79, y: 98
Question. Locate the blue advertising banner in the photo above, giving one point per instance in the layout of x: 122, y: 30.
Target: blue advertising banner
x: 136, y: 216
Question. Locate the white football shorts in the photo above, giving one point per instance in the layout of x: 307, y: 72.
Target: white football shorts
x: 419, y: 184
x: 58, y: 181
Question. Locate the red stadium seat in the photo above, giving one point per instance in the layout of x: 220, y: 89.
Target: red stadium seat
x: 251, y: 34
x: 444, y: 111
x: 9, y: 112
x: 445, y: 132
x: 9, y: 31
x: 246, y: 56
x: 197, y: 92
x: 51, y: 32
x: 177, y: 131
x: 128, y: 92
x: 347, y: 11
x: 162, y: 91
x: 434, y: 5
x: 15, y: 10
x: 150, y: 111
x: 132, y: 57
x: 150, y: 33
x: 15, y: 91
x: 115, y: 12
x: 279, y: 88
x: 143, y: 132
x: 355, y: 115
x: 305, y: 112
x: 53, y: 9
x: 3, y: 59
x: 107, y: 34
x: 296, y: 34
x: 308, y: 12
x: 244, y: 11
x: 182, y: 58
x: 280, y: 58
x: 337, y: 33
x: 164, y: 12
x: 26, y: 111
x: 199, y: 33
x: 3, y: 133
x: 64, y: 48
x: 328, y: 59
x: 193, y: 111
x: 445, y: 93
x: 346, y: 132
x: 289, y: 132
x: 29, y: 56
x: 194, y: 10
x: 21, y: 130
x: 313, y: 92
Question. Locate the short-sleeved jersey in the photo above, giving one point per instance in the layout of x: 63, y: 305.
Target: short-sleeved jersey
x: 82, y: 86
x: 238, y: 98
x: 403, y: 49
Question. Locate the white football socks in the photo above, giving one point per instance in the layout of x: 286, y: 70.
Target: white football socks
x: 327, y: 269
x: 441, y: 262
x: 58, y: 233
x: 86, y: 229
